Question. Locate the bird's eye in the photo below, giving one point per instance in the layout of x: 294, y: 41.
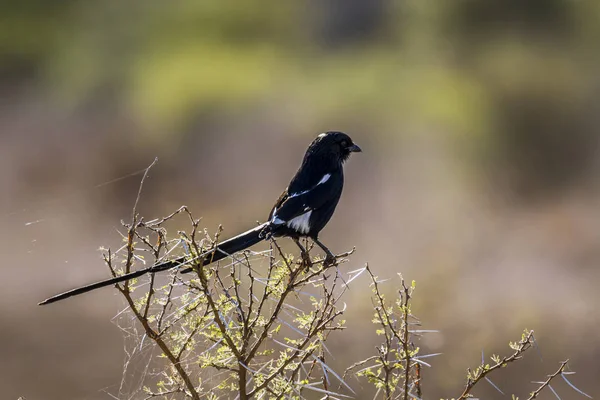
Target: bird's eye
x: 344, y: 143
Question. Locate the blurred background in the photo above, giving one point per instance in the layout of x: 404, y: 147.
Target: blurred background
x: 479, y: 123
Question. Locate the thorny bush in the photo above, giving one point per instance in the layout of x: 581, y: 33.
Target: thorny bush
x: 256, y: 325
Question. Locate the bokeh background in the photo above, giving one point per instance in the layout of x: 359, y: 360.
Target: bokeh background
x: 479, y: 178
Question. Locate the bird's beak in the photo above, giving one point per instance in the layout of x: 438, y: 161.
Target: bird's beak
x: 354, y: 149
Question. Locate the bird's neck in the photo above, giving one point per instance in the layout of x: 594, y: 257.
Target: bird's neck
x: 321, y: 164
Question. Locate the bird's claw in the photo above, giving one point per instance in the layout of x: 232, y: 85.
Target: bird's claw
x: 306, y: 260
x: 265, y: 233
x: 330, y: 260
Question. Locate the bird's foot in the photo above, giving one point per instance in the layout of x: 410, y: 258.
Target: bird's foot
x: 306, y: 260
x: 330, y: 260
x: 265, y: 233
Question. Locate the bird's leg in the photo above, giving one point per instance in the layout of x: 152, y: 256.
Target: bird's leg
x: 329, y: 257
x: 303, y: 253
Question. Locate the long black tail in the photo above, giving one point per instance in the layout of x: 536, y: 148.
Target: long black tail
x: 224, y: 249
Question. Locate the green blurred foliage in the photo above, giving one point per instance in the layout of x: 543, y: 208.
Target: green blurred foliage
x: 499, y: 75
x: 422, y: 62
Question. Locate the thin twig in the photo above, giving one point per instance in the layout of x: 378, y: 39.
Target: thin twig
x: 483, y: 370
x: 546, y: 383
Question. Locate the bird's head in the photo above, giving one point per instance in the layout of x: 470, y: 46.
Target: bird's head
x: 338, y: 144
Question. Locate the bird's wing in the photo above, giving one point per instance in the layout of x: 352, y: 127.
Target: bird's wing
x: 291, y: 205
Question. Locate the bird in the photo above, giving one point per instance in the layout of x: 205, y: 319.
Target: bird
x: 301, y: 211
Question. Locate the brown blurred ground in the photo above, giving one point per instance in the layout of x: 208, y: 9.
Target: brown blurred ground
x: 478, y: 121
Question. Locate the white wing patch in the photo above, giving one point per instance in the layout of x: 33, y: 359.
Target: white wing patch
x: 301, y: 223
x: 324, y: 179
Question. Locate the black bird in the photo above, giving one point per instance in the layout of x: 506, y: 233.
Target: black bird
x: 302, y: 210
